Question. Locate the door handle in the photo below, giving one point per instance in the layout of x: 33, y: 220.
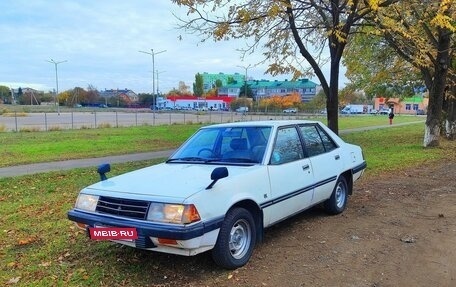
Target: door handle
x: 337, y: 157
x: 305, y: 167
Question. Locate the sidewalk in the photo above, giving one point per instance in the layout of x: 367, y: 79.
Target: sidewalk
x: 93, y: 162
x: 79, y: 163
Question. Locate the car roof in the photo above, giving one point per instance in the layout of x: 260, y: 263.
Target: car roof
x: 270, y: 123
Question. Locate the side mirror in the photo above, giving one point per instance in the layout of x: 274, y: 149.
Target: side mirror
x: 103, y: 169
x: 217, y: 173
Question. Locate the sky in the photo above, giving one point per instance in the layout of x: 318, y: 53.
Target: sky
x: 99, y: 42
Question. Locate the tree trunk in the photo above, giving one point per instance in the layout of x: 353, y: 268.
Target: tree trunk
x: 432, y: 129
x: 332, y: 99
x: 450, y: 122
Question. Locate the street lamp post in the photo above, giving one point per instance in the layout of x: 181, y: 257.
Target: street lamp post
x: 245, y: 78
x: 152, y: 53
x: 56, y: 82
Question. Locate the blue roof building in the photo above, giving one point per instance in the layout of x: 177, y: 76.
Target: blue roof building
x: 210, y: 79
x: 264, y: 88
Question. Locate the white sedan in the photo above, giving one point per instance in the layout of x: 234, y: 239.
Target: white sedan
x: 222, y: 188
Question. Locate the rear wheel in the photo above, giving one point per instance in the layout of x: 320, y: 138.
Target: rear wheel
x: 236, y: 239
x: 338, y: 201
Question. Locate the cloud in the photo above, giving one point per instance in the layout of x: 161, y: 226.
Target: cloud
x: 101, y: 40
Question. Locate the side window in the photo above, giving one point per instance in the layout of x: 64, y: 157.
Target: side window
x: 312, y: 140
x: 316, y: 140
x: 287, y: 147
x: 327, y: 141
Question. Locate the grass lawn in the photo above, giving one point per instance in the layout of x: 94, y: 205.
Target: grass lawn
x: 39, y: 246
x: 33, y: 147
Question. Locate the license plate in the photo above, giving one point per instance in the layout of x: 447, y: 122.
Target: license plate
x: 113, y: 233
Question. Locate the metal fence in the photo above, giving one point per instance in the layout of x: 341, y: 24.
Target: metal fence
x: 49, y: 121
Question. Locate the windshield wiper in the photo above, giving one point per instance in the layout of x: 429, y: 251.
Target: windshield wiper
x: 195, y: 158
x: 188, y: 158
x: 240, y: 160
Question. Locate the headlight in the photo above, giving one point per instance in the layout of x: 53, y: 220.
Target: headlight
x: 173, y: 213
x: 87, y: 202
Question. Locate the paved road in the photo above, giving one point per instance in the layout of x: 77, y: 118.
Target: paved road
x: 93, y: 162
x: 78, y: 120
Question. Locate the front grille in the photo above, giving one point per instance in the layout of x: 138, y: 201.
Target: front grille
x: 136, y: 209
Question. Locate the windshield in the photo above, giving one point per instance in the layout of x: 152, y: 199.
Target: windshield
x: 244, y: 145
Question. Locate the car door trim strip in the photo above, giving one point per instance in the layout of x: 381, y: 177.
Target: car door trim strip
x: 297, y: 192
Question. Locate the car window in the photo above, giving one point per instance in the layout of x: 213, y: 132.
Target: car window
x: 287, y: 146
x: 327, y: 140
x: 199, y: 145
x: 227, y: 144
x: 316, y: 141
x: 233, y: 139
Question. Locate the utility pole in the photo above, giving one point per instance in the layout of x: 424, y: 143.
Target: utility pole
x: 152, y: 53
x: 56, y: 82
x: 158, y: 73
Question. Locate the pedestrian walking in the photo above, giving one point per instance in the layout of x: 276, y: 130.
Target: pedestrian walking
x: 391, y: 116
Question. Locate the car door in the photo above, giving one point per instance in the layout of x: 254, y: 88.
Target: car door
x: 290, y: 176
x: 324, y: 155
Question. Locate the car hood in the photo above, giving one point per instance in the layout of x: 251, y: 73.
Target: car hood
x: 173, y: 182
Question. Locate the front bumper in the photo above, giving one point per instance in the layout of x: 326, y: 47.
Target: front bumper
x: 147, y: 230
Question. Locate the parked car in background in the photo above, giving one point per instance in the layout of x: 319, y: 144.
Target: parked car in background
x: 420, y: 112
x: 356, y: 109
x: 373, y: 112
x: 222, y: 188
x: 384, y: 112
x: 290, y: 110
x: 242, y: 109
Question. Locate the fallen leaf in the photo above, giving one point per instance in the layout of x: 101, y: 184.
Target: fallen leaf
x: 45, y: 264
x: 13, y: 280
x: 26, y: 241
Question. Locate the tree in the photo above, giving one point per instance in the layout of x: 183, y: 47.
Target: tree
x: 375, y: 68
x: 198, y: 86
x: 317, y: 103
x: 246, y: 91
x: 92, y: 94
x: 211, y: 93
x: 183, y: 88
x: 422, y: 33
x: 230, y: 80
x: 349, y: 96
x: 5, y: 95
x: 146, y: 99
x: 65, y: 97
x: 283, y: 29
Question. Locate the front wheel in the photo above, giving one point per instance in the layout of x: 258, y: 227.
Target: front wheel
x: 236, y: 239
x: 338, y: 201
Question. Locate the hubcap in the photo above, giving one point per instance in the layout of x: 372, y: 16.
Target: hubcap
x: 240, y: 237
x: 340, y: 195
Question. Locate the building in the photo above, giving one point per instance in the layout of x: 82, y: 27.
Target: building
x: 412, y: 105
x: 127, y: 95
x: 209, y: 80
x: 188, y: 102
x: 265, y: 89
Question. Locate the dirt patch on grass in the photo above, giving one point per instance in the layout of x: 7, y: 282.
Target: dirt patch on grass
x: 398, y: 230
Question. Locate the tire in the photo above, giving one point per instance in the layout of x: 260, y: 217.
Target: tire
x: 338, y: 201
x: 236, y: 239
